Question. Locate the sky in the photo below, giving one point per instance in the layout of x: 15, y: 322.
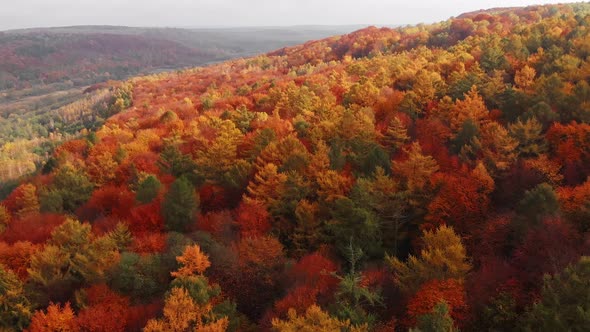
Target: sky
x: 16, y: 14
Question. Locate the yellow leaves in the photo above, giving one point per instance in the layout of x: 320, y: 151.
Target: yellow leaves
x: 443, y: 257
x: 193, y: 261
x: 4, y: 218
x: 483, y: 177
x: 267, y: 186
x: 332, y: 185
x: 28, y: 200
x: 499, y: 148
x: 314, y: 320
x: 525, y: 77
x: 472, y: 107
x: 101, y: 167
x: 417, y: 169
x: 183, y: 314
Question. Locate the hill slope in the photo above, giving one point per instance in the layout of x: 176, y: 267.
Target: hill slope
x: 386, y: 179
x: 46, y: 72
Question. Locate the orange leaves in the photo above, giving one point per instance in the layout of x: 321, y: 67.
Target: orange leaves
x: 57, y: 318
x: 23, y: 201
x: 451, y: 291
x: 193, y: 262
x: 253, y: 219
x: 472, y: 107
x: 460, y: 202
x: 105, y: 311
x: 17, y: 257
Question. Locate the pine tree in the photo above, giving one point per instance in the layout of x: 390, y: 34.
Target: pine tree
x: 180, y: 205
x: 148, y: 189
x: 396, y: 135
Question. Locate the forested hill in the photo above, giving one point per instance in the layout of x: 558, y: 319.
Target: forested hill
x: 430, y: 177
x: 45, y: 75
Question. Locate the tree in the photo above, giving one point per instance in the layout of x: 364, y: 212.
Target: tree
x: 564, y: 303
x: 267, y: 186
x: 430, y: 294
x: 70, y: 189
x: 438, y: 320
x: 314, y: 320
x: 56, y: 319
x: 396, y: 135
x: 15, y: 308
x: 307, y: 233
x: 180, y: 205
x: 443, y: 257
x: 253, y: 219
x: 531, y: 142
x: 102, y: 310
x: 525, y: 77
x: 172, y: 161
x: 148, y: 189
x: 23, y: 201
x: 472, y: 107
x: 417, y: 169
x: 353, y: 298
x: 70, y: 258
x: 193, y: 262
x: 183, y: 314
x: 4, y: 218
x: 538, y: 203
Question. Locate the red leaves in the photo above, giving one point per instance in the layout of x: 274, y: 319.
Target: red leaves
x: 57, y: 318
x: 111, y: 200
x: 252, y: 219
x: 32, y: 228
x: 451, y: 291
x: 459, y: 203
x: 146, y: 218
x: 106, y: 311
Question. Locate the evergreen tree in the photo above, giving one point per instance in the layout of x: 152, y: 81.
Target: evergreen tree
x: 180, y: 205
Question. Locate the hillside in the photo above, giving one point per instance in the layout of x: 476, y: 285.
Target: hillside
x: 431, y: 177
x: 46, y: 72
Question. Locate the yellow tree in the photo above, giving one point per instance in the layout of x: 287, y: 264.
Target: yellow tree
x: 4, y: 218
x: 498, y: 147
x: 193, y: 261
x: 417, y: 169
x: 183, y: 314
x: 267, y: 185
x: 29, y: 204
x: 443, y: 257
x: 396, y: 135
x: 525, y: 77
x: 314, y: 320
x: 472, y: 107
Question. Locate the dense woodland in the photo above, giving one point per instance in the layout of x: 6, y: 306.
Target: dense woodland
x: 424, y: 178
x: 52, y: 80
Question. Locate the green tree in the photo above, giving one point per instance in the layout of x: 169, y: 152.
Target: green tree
x: 180, y: 205
x: 439, y: 320
x: 564, y: 303
x: 353, y: 299
x: 71, y: 258
x: 15, y: 308
x: 538, y: 203
x: 531, y: 142
x: 148, y: 189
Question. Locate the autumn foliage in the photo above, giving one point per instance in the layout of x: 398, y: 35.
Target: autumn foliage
x: 431, y: 177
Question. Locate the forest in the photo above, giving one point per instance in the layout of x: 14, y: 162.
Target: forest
x: 421, y: 178
x: 54, y: 82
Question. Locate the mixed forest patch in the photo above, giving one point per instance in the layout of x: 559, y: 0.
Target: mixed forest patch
x: 429, y: 177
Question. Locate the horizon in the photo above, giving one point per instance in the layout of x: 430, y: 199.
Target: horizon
x: 209, y: 14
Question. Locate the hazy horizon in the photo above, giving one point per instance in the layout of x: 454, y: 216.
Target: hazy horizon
x: 233, y: 13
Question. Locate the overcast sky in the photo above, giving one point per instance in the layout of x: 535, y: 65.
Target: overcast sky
x: 177, y: 13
